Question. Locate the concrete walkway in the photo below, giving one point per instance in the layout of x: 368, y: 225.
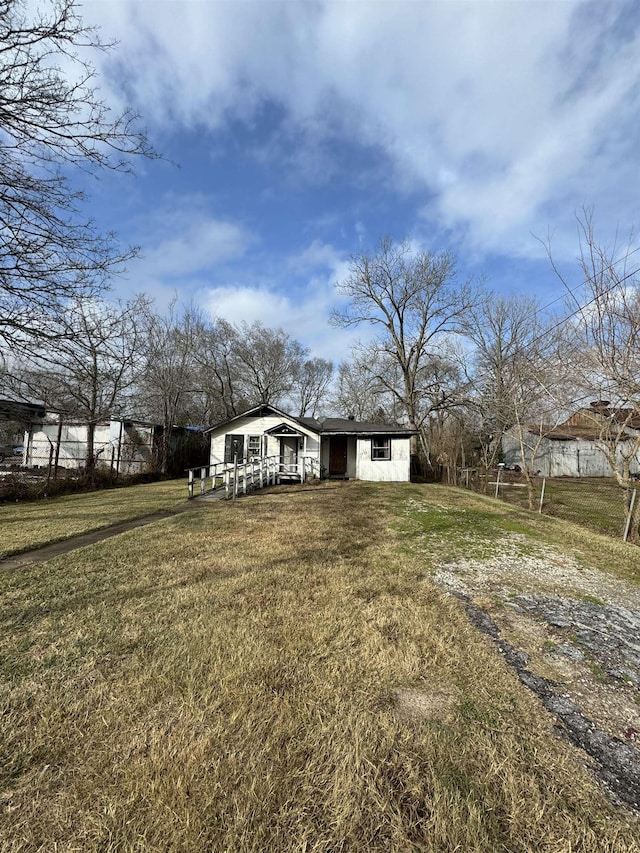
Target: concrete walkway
x: 55, y: 549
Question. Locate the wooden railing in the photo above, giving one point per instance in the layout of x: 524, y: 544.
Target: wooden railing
x: 240, y: 476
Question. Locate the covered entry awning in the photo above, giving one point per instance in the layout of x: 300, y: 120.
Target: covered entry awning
x: 284, y: 431
x: 297, y: 439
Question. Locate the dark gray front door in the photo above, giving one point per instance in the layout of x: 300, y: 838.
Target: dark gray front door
x: 233, y: 446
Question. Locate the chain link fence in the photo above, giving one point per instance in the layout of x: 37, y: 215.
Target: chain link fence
x: 597, y: 503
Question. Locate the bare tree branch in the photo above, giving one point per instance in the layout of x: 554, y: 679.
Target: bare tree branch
x: 53, y: 121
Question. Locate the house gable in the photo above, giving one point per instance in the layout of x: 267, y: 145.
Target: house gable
x: 258, y: 432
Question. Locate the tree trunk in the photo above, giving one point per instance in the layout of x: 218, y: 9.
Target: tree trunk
x: 90, y: 462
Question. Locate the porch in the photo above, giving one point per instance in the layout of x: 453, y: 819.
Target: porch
x: 230, y: 479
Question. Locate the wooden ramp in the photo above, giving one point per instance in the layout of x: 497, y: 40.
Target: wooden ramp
x: 230, y: 479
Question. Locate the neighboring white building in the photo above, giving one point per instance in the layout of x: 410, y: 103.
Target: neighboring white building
x: 125, y: 447
x: 345, y: 448
x: 576, y: 448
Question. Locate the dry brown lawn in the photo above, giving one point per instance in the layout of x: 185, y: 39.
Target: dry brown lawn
x: 277, y: 674
x: 30, y: 524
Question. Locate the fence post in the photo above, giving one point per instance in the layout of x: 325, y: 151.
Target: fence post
x: 500, y: 469
x: 190, y: 483
x: 630, y: 515
x: 203, y: 481
x: 544, y: 481
x: 235, y: 476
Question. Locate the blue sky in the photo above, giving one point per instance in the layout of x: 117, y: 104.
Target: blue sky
x: 298, y: 133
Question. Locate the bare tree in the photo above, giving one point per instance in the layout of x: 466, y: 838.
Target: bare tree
x: 414, y: 300
x: 312, y: 383
x: 498, y: 327
x: 90, y: 368
x: 358, y: 393
x: 167, y: 382
x: 520, y: 376
x: 217, y: 373
x: 444, y: 395
x: 605, y: 310
x: 269, y: 362
x: 53, y: 121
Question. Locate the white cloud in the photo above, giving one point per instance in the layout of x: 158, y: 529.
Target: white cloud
x: 303, y: 312
x: 187, y: 236
x: 184, y: 246
x: 496, y: 110
x: 304, y: 316
x: 197, y: 246
x: 319, y: 256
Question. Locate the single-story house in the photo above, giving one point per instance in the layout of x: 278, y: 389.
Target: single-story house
x: 342, y: 447
x: 577, y: 447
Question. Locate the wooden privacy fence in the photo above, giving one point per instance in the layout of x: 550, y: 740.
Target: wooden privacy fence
x: 240, y: 476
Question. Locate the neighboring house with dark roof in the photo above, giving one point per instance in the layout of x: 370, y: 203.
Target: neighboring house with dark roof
x: 582, y: 446
x: 345, y: 448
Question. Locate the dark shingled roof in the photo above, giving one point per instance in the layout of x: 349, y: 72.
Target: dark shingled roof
x: 13, y: 407
x: 334, y: 426
x: 346, y: 426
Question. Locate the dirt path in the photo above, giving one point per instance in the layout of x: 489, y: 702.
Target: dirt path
x: 573, y: 636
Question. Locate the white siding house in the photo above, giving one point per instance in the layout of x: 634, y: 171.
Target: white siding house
x: 265, y: 432
x: 344, y: 448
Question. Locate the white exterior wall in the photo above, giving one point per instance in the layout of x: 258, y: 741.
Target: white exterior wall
x: 394, y: 470
x: 73, y: 444
x: 352, y: 460
x: 247, y: 426
x: 324, y: 454
x: 134, y: 455
x: 563, y: 458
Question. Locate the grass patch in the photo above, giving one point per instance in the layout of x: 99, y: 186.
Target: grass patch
x: 30, y: 525
x: 273, y: 675
x: 593, y: 502
x: 448, y: 523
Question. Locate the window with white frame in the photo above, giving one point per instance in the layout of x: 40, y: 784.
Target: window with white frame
x: 380, y: 449
x: 254, y: 445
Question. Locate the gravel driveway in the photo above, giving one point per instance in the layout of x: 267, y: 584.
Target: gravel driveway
x: 573, y: 636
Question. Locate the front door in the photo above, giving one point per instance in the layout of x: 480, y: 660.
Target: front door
x: 289, y: 453
x: 338, y: 456
x: 233, y: 447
